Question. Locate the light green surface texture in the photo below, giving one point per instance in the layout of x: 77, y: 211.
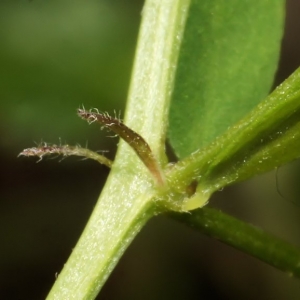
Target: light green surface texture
x: 226, y: 66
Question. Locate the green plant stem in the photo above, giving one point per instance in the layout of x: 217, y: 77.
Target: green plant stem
x: 264, y: 139
x: 126, y: 202
x: 245, y: 237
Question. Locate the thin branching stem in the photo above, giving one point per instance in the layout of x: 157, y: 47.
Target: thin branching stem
x: 240, y: 235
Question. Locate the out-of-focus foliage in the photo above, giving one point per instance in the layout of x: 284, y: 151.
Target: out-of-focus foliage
x: 54, y: 57
x: 58, y: 55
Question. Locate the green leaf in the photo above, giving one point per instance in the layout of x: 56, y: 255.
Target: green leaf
x: 226, y: 66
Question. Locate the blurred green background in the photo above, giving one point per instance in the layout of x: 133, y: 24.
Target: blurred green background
x: 58, y: 55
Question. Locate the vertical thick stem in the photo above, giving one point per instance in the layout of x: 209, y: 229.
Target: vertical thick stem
x: 126, y: 201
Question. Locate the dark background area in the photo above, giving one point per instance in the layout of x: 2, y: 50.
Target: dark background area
x: 58, y: 55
